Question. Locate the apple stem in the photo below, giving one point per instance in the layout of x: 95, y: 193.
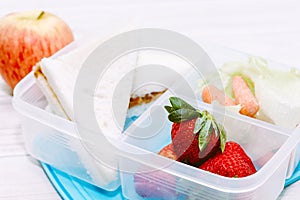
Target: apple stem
x: 40, y: 15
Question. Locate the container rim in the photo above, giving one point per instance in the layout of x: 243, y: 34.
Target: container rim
x: 41, y: 115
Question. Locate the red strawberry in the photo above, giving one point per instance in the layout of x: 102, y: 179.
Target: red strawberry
x: 195, y: 135
x: 233, y: 162
x: 149, y: 188
x: 168, y: 152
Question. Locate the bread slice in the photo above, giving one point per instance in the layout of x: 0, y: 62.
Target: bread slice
x: 57, y: 75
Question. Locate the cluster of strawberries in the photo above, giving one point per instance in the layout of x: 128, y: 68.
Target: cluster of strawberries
x: 200, y: 141
x: 197, y: 140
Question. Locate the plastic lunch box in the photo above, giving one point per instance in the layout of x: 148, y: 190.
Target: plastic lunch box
x: 269, y: 147
x: 52, y: 139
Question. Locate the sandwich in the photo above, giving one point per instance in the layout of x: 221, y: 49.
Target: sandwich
x: 135, y: 75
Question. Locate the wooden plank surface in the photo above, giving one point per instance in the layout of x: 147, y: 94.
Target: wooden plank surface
x: 267, y: 28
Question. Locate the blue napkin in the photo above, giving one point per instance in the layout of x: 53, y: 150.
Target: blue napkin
x: 295, y: 177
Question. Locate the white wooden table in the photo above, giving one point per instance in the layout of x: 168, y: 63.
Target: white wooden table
x: 21, y: 177
x: 267, y: 28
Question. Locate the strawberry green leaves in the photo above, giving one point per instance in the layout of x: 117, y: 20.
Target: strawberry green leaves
x: 205, y: 124
x: 223, y: 137
x: 182, y: 114
x: 204, y: 135
x: 178, y: 103
x: 180, y: 110
x: 211, y: 126
x: 200, y: 122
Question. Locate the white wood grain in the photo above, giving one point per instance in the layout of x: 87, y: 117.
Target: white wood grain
x: 267, y: 28
x: 23, y: 178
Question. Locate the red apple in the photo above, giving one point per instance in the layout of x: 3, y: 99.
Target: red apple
x: 27, y: 37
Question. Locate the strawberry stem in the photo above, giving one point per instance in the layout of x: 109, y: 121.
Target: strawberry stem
x: 41, y: 14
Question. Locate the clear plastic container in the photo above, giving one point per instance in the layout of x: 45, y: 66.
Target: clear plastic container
x: 271, y: 149
x: 54, y: 140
